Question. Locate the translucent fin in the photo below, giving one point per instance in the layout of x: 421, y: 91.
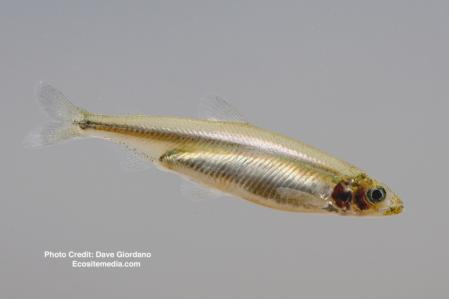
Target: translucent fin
x: 51, y: 133
x: 305, y: 199
x: 57, y: 106
x: 217, y: 108
x: 62, y: 114
x: 193, y: 190
x: 131, y: 161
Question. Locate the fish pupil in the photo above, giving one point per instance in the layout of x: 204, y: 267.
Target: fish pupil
x: 377, y: 194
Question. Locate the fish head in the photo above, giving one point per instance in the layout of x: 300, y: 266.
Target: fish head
x: 363, y: 196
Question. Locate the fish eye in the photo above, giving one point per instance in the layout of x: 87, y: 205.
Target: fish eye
x: 377, y: 194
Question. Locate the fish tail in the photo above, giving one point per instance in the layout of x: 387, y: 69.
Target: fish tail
x: 64, y: 118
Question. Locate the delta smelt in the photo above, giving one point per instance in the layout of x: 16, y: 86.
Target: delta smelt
x: 227, y: 153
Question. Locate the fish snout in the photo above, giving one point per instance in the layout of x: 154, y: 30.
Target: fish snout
x: 395, y: 207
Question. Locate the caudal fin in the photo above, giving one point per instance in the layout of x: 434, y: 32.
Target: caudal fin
x: 63, y: 115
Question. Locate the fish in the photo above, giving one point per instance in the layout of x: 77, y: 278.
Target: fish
x: 224, y: 152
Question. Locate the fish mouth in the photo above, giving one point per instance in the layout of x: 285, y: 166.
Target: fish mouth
x: 394, y: 210
x: 396, y: 207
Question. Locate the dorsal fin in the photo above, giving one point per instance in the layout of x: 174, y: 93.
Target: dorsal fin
x: 216, y: 108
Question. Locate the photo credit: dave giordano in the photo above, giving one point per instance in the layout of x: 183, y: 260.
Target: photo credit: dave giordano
x: 100, y: 259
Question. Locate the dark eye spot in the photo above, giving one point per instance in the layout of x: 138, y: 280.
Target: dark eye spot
x: 376, y: 195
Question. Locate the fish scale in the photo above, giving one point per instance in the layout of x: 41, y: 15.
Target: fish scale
x: 243, y: 176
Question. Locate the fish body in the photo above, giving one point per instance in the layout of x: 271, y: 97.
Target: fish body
x: 230, y: 155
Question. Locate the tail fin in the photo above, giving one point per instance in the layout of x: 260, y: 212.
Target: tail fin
x: 63, y: 118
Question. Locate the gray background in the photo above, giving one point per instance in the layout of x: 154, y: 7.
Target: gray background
x: 366, y: 81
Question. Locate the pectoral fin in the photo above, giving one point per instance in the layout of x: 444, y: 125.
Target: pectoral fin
x: 299, y: 198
